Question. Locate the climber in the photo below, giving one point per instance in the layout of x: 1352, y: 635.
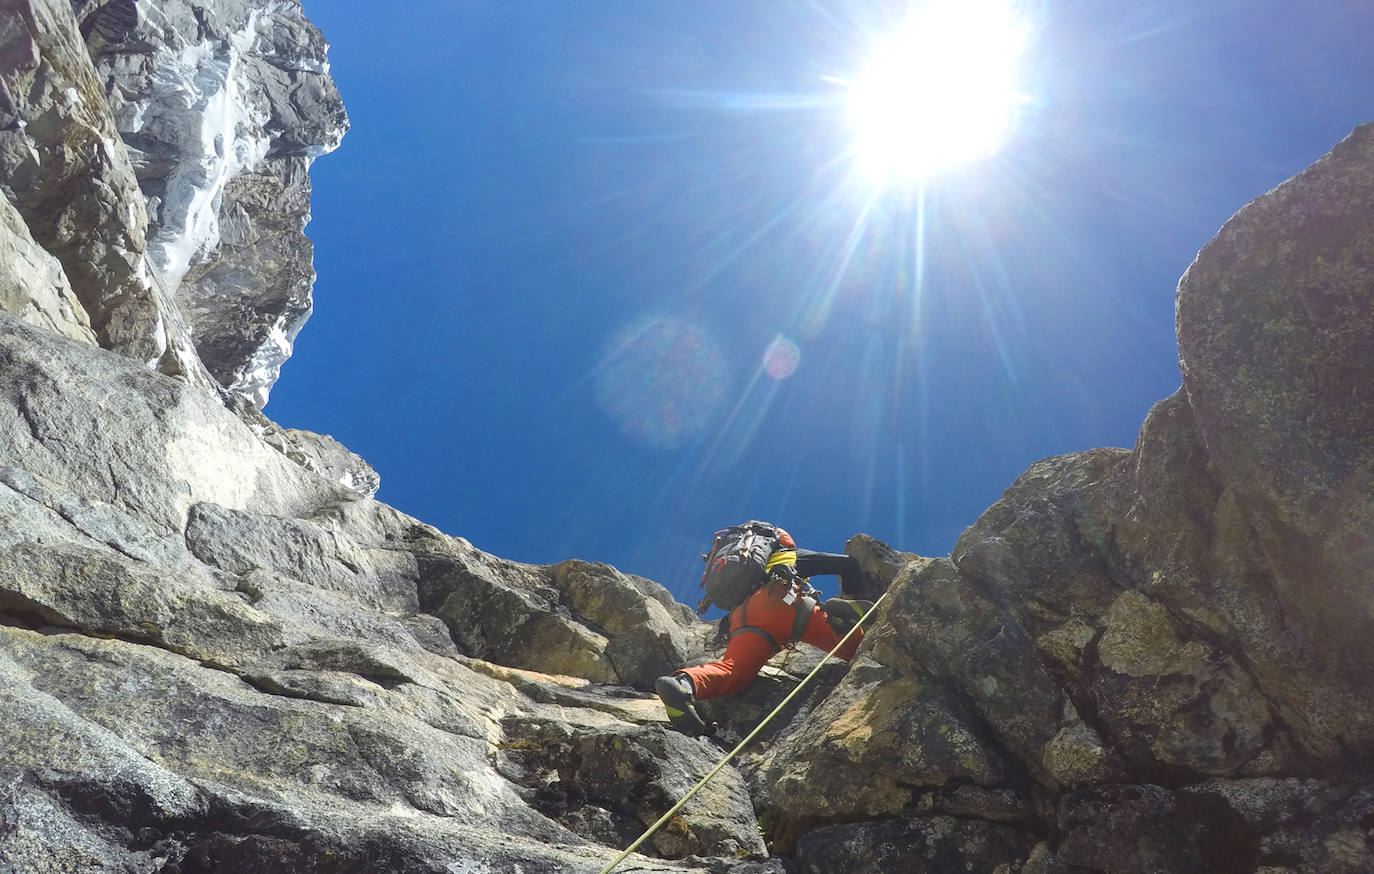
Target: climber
x: 779, y: 610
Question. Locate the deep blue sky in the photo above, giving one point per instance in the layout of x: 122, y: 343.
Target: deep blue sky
x: 530, y: 186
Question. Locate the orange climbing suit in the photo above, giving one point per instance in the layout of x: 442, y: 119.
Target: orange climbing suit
x: 758, y: 628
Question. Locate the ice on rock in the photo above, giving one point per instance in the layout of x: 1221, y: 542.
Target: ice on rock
x: 223, y: 109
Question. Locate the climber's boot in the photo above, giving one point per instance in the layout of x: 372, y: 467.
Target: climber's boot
x: 844, y: 613
x: 676, y: 693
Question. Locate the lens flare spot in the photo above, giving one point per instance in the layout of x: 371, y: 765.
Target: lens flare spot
x: 781, y: 358
x: 662, y: 381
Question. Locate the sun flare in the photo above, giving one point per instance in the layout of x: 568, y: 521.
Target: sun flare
x: 941, y: 91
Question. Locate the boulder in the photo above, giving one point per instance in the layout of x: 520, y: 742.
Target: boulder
x: 576, y: 618
x: 1276, y: 333
x: 645, y: 637
x: 613, y: 782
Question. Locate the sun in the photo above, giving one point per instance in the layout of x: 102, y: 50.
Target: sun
x: 941, y: 91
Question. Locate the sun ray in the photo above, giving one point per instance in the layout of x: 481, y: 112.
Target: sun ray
x: 820, y: 308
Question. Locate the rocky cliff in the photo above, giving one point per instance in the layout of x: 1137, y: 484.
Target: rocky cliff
x: 220, y: 654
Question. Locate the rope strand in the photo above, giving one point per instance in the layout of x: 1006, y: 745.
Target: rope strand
x: 723, y: 762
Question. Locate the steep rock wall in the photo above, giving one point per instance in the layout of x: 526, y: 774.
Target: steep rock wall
x: 222, y: 107
x: 214, y: 112
x: 219, y: 656
x: 66, y: 173
x: 217, y: 660
x: 1152, y: 660
x: 221, y: 110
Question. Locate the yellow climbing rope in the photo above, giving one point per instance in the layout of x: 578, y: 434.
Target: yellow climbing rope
x: 723, y: 762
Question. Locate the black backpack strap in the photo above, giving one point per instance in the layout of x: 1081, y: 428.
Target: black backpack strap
x: 754, y: 629
x: 804, y: 606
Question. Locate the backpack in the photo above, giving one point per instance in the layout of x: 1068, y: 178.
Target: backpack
x: 735, y: 566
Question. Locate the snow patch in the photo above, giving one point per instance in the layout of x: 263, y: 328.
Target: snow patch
x: 202, y: 108
x: 353, y: 483
x: 158, y: 334
x: 260, y: 374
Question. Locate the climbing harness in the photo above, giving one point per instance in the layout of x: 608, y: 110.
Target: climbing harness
x: 792, y: 591
x: 740, y: 746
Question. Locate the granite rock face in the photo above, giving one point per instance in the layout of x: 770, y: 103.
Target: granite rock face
x: 218, y: 653
x: 218, y: 659
x: 222, y: 107
x: 213, y: 112
x: 1276, y: 339
x: 66, y: 173
x: 36, y: 289
x: 1148, y: 660
x: 204, y: 118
